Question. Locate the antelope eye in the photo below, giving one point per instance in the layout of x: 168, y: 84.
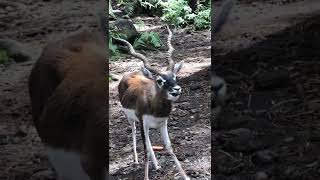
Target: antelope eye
x: 160, y: 82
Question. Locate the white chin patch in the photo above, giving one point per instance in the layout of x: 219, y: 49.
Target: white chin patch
x: 172, y: 98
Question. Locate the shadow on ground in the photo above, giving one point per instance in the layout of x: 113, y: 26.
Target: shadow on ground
x: 270, y: 128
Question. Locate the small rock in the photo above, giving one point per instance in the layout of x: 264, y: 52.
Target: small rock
x: 15, y: 140
x: 240, y: 132
x: 289, y: 170
x: 185, y: 105
x: 15, y: 50
x: 193, y: 111
x: 9, y: 8
x: 254, y: 4
x: 263, y: 157
x: 195, y: 174
x: 195, y: 87
x: 288, y: 139
x: 118, y: 13
x: 261, y: 175
x: 125, y: 27
x: 22, y: 131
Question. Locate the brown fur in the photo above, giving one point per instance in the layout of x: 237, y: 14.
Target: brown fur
x: 139, y: 93
x: 68, y: 90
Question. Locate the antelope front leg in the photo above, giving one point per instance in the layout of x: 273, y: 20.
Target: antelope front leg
x: 167, y: 142
x: 149, y: 146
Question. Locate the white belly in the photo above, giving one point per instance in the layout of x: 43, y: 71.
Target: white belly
x: 67, y: 164
x: 153, y: 122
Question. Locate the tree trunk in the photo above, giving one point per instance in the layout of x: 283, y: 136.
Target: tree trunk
x: 193, y: 5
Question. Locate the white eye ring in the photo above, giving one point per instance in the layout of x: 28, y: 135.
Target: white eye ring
x: 160, y: 81
x: 174, y: 77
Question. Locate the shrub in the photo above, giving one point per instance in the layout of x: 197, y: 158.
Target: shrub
x: 4, y: 57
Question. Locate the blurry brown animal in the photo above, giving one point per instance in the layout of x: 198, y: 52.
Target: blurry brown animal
x: 68, y: 91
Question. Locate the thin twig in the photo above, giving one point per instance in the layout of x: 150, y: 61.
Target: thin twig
x: 284, y: 102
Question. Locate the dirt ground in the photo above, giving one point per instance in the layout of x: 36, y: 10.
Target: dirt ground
x: 268, y: 129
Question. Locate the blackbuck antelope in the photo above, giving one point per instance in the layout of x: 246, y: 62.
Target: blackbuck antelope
x: 146, y: 96
x: 68, y: 93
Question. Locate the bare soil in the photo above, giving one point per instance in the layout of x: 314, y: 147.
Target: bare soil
x: 270, y: 128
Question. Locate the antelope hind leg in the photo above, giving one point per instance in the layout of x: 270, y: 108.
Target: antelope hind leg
x: 167, y: 142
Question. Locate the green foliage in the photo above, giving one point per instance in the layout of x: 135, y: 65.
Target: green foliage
x: 4, y: 57
x: 109, y: 79
x: 203, y: 19
x: 151, y: 4
x: 132, y: 6
x: 113, y: 48
x: 148, y: 38
x: 177, y: 12
x: 139, y: 25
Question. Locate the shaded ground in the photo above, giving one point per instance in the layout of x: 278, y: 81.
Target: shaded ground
x: 270, y: 128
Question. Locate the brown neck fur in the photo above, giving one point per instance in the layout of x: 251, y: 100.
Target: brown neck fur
x: 138, y: 93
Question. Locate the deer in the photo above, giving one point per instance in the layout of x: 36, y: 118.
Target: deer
x: 67, y: 88
x: 146, y: 97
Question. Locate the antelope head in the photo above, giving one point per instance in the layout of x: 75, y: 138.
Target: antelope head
x: 165, y: 82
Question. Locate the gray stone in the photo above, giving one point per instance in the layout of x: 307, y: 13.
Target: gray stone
x: 125, y: 27
x: 15, y: 50
x: 264, y: 157
x: 261, y: 175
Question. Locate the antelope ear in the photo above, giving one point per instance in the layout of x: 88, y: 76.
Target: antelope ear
x: 177, y: 67
x: 147, y: 73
